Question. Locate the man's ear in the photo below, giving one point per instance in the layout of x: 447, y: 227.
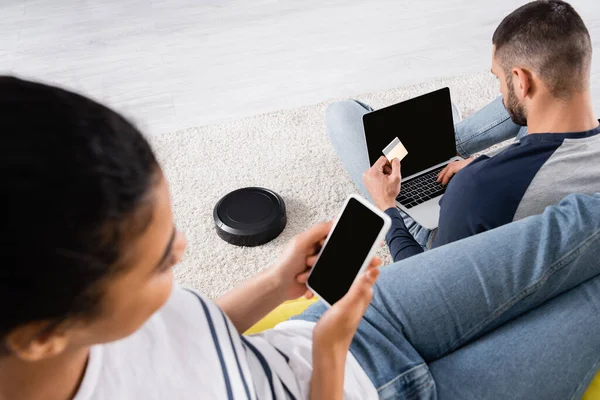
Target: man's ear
x: 36, y: 341
x: 522, y: 81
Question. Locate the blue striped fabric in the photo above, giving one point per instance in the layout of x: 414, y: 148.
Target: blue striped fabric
x: 237, y: 359
x: 263, y: 362
x: 287, y: 359
x: 190, y: 349
x: 217, y: 346
x: 267, y: 369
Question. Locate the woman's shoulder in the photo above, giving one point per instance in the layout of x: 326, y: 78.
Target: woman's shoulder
x: 174, y: 348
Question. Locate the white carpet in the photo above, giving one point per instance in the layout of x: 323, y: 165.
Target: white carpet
x: 286, y: 151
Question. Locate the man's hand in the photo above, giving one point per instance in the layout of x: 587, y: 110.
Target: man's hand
x: 383, y: 182
x: 293, y: 266
x: 451, y: 169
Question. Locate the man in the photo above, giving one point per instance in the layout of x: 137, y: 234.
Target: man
x: 542, y: 58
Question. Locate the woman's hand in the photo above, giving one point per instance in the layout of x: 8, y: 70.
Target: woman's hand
x: 291, y: 269
x: 337, y: 326
x: 333, y: 334
x: 284, y: 280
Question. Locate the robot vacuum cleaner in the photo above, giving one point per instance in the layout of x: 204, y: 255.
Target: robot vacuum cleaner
x: 250, y: 216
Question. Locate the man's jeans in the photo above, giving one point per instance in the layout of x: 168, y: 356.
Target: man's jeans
x: 512, y: 313
x: 343, y: 121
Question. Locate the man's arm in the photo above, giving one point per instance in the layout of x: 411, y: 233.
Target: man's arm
x: 399, y: 240
x: 382, y: 181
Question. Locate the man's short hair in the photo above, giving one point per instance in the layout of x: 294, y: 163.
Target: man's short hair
x: 549, y: 38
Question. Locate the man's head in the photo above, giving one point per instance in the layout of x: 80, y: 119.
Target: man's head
x: 87, y: 235
x: 541, y: 49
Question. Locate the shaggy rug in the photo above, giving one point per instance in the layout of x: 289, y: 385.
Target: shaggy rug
x: 287, y: 151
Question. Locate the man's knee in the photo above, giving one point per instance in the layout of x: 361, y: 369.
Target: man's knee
x: 344, y: 113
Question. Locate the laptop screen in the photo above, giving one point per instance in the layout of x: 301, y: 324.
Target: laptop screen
x: 424, y: 126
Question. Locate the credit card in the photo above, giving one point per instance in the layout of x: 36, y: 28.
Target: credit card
x: 395, y: 150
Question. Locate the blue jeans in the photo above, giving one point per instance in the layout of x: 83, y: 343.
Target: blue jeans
x: 343, y: 121
x: 510, y: 313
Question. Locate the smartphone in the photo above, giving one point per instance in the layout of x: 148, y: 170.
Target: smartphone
x: 348, y: 249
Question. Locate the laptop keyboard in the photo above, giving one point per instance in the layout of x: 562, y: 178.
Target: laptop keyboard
x: 421, y: 189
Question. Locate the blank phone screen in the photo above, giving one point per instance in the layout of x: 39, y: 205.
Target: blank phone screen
x: 345, y: 252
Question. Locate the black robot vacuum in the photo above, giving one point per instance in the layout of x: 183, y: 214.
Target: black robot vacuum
x: 250, y: 216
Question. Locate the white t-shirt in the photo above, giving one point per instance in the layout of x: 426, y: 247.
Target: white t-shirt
x: 190, y: 349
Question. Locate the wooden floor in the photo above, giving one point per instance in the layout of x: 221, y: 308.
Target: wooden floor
x: 172, y: 64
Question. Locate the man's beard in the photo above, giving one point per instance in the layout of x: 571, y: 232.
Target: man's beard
x: 515, y: 109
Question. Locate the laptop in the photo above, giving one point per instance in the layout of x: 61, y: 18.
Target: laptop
x: 425, y: 127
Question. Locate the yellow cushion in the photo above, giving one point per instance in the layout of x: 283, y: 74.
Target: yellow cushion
x: 280, y: 314
x: 295, y: 307
x: 593, y: 391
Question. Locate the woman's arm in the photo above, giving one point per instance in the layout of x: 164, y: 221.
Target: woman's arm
x: 252, y: 300
x: 284, y: 280
x: 333, y: 334
x: 327, y: 381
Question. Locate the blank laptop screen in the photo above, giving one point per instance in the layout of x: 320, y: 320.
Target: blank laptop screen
x: 423, y: 124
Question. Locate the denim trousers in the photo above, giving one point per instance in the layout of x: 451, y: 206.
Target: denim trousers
x: 512, y: 313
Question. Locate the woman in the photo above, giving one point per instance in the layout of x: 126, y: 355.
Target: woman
x: 88, y: 309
